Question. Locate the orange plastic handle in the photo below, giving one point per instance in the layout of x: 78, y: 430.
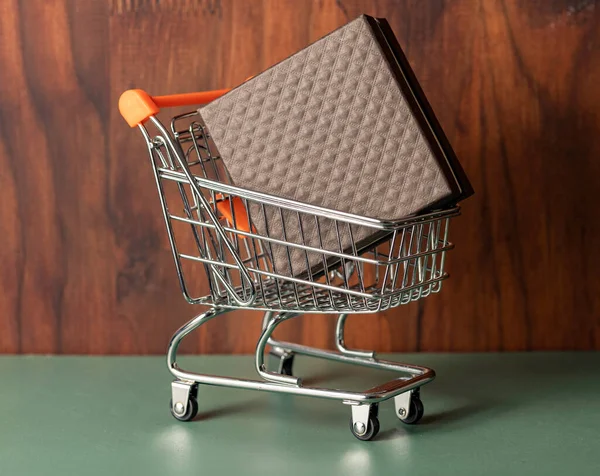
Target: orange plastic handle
x: 188, y: 99
x: 241, y: 216
x: 136, y: 105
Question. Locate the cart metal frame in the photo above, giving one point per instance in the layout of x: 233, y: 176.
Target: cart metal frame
x: 407, y: 265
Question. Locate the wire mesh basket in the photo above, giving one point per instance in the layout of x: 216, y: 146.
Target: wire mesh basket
x: 403, y: 262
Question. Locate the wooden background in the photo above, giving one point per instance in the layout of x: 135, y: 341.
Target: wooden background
x: 84, y: 261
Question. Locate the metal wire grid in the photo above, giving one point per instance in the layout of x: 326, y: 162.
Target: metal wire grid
x: 405, y: 265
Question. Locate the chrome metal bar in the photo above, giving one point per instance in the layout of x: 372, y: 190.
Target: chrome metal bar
x: 420, y: 375
x: 340, y: 344
x: 242, y: 268
x: 365, y: 360
x: 184, y: 331
x: 269, y: 239
x: 289, y: 256
x: 349, y: 359
x: 325, y: 265
x: 268, y: 328
x: 374, y: 395
x: 401, y: 259
x: 307, y: 208
x: 170, y: 234
x: 343, y: 262
x: 316, y: 285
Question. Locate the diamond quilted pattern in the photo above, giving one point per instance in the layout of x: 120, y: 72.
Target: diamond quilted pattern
x: 328, y: 126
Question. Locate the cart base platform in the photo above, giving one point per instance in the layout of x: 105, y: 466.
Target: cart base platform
x: 364, y: 422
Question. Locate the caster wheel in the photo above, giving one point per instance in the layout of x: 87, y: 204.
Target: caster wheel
x: 415, y: 412
x: 287, y: 365
x: 369, y: 433
x: 190, y: 413
x: 282, y: 362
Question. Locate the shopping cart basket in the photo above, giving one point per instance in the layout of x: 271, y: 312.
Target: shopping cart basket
x: 210, y: 228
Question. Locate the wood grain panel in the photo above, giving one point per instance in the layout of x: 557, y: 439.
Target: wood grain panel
x: 86, y: 266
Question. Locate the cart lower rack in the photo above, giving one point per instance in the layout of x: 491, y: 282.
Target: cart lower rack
x: 209, y: 225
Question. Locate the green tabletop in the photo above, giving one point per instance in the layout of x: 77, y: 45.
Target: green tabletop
x: 492, y: 414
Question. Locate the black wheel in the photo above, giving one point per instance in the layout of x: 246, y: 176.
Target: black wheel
x: 415, y: 412
x: 190, y: 412
x: 372, y: 429
x: 287, y: 366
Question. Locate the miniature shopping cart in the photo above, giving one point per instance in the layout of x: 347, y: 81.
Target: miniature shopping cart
x: 211, y: 233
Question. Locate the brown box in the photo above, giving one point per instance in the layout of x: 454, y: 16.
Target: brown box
x: 342, y: 124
